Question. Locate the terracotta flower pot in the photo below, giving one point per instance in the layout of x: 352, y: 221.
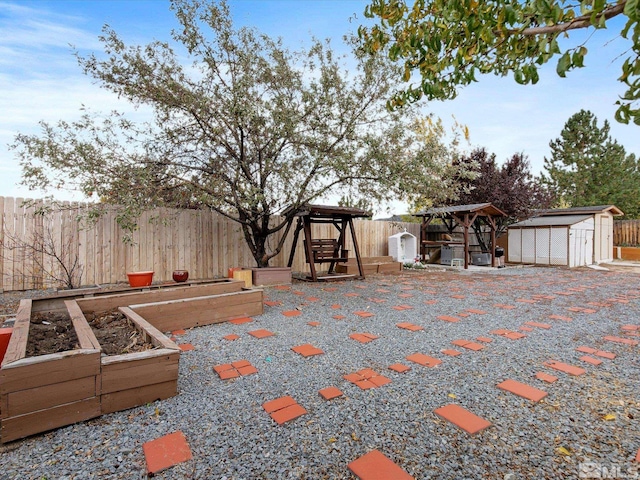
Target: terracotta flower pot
x: 140, y: 279
x: 180, y: 275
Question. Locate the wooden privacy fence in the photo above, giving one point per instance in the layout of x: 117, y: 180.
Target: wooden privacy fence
x: 626, y: 233
x: 200, y: 241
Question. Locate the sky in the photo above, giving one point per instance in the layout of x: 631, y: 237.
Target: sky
x: 40, y: 78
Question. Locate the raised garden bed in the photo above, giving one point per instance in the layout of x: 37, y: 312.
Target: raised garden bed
x: 192, y: 288
x: 139, y: 365
x: 47, y: 386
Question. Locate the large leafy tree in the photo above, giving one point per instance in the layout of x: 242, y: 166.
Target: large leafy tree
x: 248, y: 128
x: 588, y: 167
x: 511, y: 187
x: 448, y: 43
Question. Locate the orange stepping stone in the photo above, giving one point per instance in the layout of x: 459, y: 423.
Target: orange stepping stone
x: 307, y: 350
x: 560, y: 317
x: 231, y: 337
x: 241, y: 320
x: 526, y: 329
x: 405, y: 295
x: 402, y: 308
x: 313, y: 324
x: 584, y: 349
x: 291, y: 313
x: 522, y: 390
x: 363, y: 337
x: 431, y: 302
x: 605, y: 354
x: 247, y: 370
x: 335, y: 306
x: 546, y: 377
x: 288, y: 413
x: 591, y: 360
x: 464, y: 419
x: 467, y: 344
x: 526, y: 300
x: 546, y: 326
x: 351, y: 295
x: 186, y: 347
x: 638, y: 456
x: 363, y: 314
x: 330, y: 393
x: 261, y: 333
x: 178, y: 332
x: 339, y: 317
x: 448, y: 318
x: 459, y: 297
x: 270, y: 303
x: 484, y: 339
x: 477, y: 312
x: 367, y: 378
x: 451, y: 353
x: 283, y: 409
x: 376, y: 466
x: 630, y: 328
x: 504, y: 307
x: 626, y: 341
x: 399, y: 367
x: 422, y: 359
x: 409, y: 326
x: 564, y: 367
x: 313, y: 299
x: 165, y: 452
x: 235, y: 369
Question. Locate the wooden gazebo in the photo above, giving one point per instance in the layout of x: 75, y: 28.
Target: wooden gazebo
x: 331, y: 251
x: 463, y: 215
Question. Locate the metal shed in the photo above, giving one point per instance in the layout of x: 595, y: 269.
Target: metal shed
x: 570, y: 237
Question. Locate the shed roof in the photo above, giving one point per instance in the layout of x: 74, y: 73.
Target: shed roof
x: 480, y: 208
x: 582, y: 210
x: 551, y: 221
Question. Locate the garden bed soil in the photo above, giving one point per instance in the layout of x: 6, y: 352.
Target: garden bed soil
x: 51, y: 333
x: 116, y: 333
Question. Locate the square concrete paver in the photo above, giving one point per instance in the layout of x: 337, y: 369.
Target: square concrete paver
x: 546, y: 377
x: 399, y: 367
x: 283, y: 409
x: 165, y: 452
x: 261, y: 333
x: 307, y: 350
x: 330, y: 393
x: 464, y: 419
x: 376, y: 466
x: 422, y: 359
x: 523, y: 390
x: 363, y: 337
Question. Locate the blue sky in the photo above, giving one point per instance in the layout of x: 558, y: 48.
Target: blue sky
x: 40, y: 79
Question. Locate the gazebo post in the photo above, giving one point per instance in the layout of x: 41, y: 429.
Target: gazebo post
x: 307, y: 246
x: 296, y: 235
x: 492, y: 224
x: 356, y: 248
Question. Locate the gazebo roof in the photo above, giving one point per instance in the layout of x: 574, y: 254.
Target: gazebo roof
x: 330, y: 211
x: 479, y: 208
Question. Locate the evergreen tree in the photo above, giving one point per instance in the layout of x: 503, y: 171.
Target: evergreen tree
x: 587, y: 167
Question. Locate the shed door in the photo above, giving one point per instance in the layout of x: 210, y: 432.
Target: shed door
x: 543, y: 236
x: 528, y: 245
x: 559, y: 246
x: 605, y: 253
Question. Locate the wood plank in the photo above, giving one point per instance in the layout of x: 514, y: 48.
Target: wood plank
x: 120, y: 374
x: 86, y: 337
x: 104, y: 303
x: 192, y: 312
x: 43, y: 420
x: 157, y: 338
x: 43, y: 370
x: 117, y: 401
x: 48, y: 396
x: 17, y: 347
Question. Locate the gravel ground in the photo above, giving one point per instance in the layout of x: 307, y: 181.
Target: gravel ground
x: 231, y: 437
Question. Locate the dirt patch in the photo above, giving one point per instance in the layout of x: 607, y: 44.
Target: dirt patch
x: 116, y: 333
x: 50, y: 333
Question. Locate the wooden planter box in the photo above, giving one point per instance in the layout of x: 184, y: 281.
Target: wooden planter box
x: 271, y: 276
x: 134, y: 379
x: 103, y: 303
x: 627, y: 253
x: 370, y: 265
x: 56, y: 302
x: 47, y: 391
x: 184, y: 313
